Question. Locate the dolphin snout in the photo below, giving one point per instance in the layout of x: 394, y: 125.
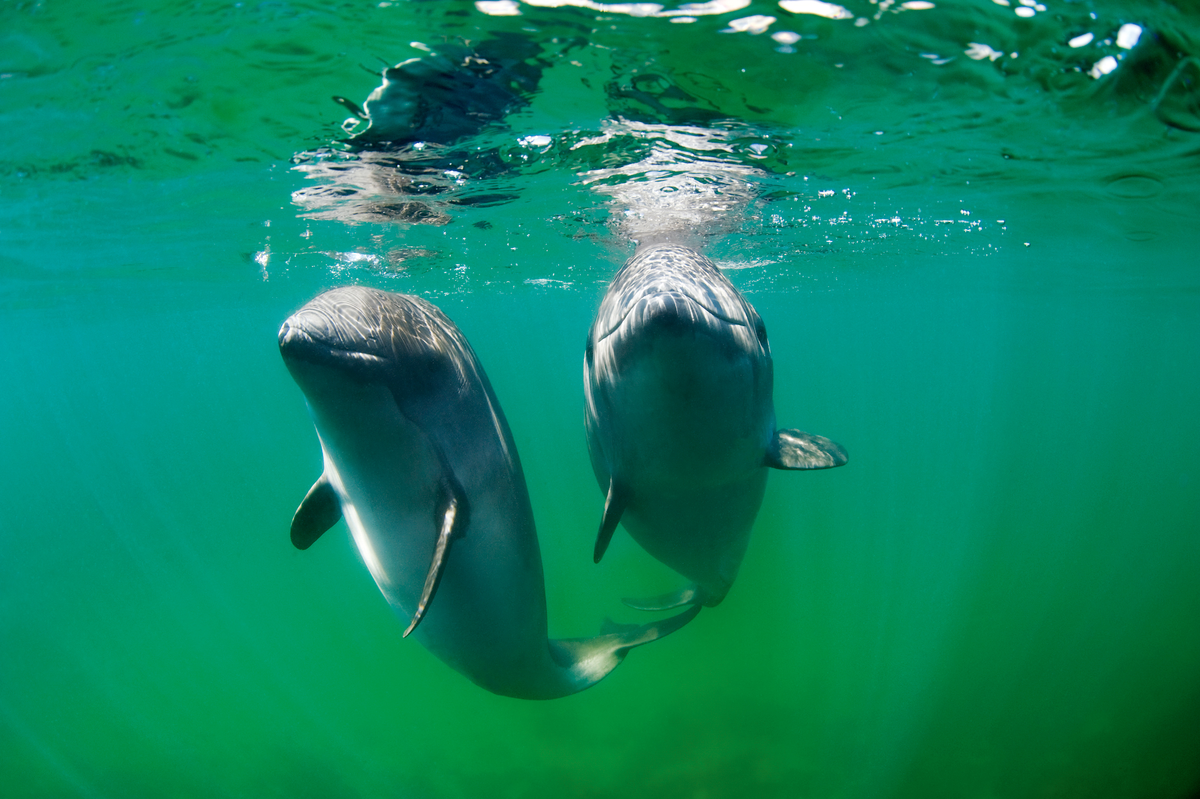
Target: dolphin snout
x: 290, y: 335
x: 336, y: 320
x: 303, y: 330
x: 665, y: 313
x: 311, y: 334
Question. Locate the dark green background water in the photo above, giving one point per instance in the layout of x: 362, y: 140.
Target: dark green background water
x: 980, y: 276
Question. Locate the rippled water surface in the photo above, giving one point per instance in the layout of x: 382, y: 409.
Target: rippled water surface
x: 970, y: 227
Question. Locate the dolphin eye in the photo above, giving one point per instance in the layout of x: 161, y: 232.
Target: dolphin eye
x: 760, y: 330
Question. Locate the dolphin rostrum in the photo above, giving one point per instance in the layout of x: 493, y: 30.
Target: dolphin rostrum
x: 420, y: 463
x: 680, y: 418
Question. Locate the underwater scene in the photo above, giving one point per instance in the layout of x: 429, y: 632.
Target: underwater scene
x: 970, y: 228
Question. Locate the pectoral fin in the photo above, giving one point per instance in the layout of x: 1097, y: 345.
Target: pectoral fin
x: 792, y: 449
x: 614, y: 506
x: 319, y: 510
x: 452, y: 525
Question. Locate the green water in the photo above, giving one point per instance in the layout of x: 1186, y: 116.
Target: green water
x: 979, y: 275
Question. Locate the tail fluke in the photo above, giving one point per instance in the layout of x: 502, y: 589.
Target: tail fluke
x: 690, y: 594
x: 589, y: 660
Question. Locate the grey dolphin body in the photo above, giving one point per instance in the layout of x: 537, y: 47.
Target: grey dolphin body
x: 680, y: 418
x: 420, y: 463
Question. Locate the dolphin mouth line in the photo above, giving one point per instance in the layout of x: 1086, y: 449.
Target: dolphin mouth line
x: 682, y: 295
x: 295, y: 342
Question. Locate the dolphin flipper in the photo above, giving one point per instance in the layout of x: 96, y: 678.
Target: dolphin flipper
x: 614, y: 506
x: 589, y: 659
x: 793, y: 449
x: 691, y: 594
x: 453, y: 522
x: 319, y: 510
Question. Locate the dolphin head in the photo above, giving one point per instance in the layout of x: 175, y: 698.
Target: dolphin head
x: 674, y: 291
x: 373, y: 336
x: 377, y: 366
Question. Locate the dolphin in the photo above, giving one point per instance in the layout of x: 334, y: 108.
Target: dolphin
x: 419, y: 461
x: 680, y: 418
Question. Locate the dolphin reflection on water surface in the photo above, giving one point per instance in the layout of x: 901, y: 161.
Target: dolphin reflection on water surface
x: 420, y: 463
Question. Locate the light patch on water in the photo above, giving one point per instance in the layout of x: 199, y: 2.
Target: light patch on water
x: 886, y: 5
x: 631, y: 9
x: 535, y: 141
x: 1081, y: 40
x: 816, y: 8
x: 980, y: 51
x: 549, y: 282
x: 262, y: 258
x: 1103, y: 67
x: 728, y: 266
x: 753, y: 25
x: 966, y: 225
x: 499, y: 8
x: 1128, y: 36
x: 354, y: 258
x: 688, y: 12
x: 710, y: 8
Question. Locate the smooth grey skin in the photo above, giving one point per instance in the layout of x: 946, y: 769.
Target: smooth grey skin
x: 680, y: 418
x: 420, y: 463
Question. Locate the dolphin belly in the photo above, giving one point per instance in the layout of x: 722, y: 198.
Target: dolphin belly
x: 390, y: 479
x: 685, y: 409
x: 701, y: 533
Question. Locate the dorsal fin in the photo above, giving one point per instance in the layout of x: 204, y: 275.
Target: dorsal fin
x: 452, y: 524
x: 614, y: 506
x: 319, y: 510
x: 793, y: 449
